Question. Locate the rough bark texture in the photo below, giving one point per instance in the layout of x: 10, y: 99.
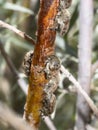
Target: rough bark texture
x: 85, y: 49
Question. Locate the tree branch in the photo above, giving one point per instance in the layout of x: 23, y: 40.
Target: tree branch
x: 44, y: 48
x: 8, y: 116
x: 18, y: 32
x: 49, y: 123
x: 8, y: 60
x: 84, y: 54
x: 11, y: 66
x: 80, y: 90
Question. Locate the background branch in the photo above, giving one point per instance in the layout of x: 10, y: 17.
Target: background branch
x: 18, y: 32
x: 9, y: 117
x: 11, y: 66
x: 84, y: 53
x: 49, y: 123
x: 80, y: 90
x: 8, y: 60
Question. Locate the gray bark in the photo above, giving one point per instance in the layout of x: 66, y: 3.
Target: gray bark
x: 84, y: 53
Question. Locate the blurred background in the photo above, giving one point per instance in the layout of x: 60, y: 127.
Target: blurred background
x: 23, y: 14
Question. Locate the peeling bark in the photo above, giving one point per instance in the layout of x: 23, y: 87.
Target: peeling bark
x: 43, y: 48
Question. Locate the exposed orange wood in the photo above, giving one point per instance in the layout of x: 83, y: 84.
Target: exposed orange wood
x: 46, y: 36
x: 43, y: 48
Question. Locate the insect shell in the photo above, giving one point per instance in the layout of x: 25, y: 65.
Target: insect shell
x: 50, y: 99
x: 52, y: 65
x: 53, y: 62
x: 48, y: 105
x: 65, y: 3
x: 62, y: 19
x: 52, y: 85
x: 27, y: 62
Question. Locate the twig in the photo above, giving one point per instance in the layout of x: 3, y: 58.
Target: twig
x: 89, y: 127
x: 84, y: 54
x: 8, y: 116
x: 79, y: 88
x: 18, y: 32
x: 8, y: 60
x: 20, y: 81
x: 49, y: 123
